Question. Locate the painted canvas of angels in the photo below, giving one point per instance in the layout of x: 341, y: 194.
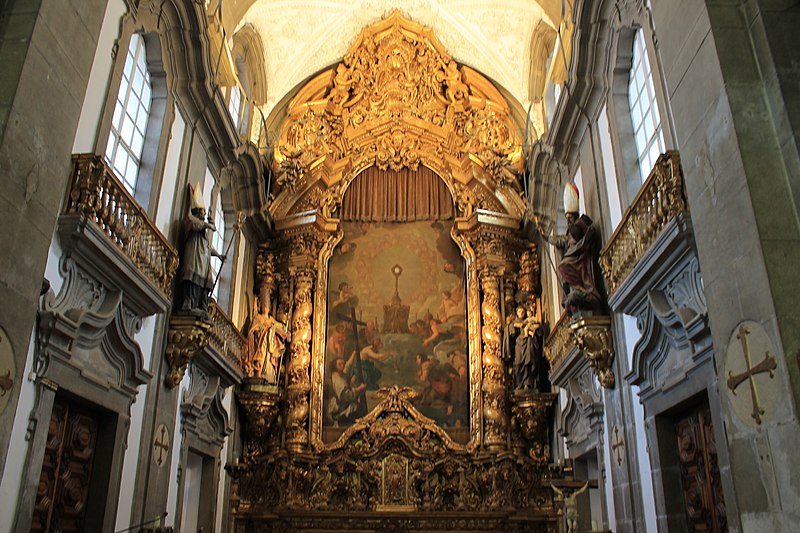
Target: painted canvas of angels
x: 396, y: 315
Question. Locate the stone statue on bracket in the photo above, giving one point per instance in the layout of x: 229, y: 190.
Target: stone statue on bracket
x: 522, y: 344
x: 580, y: 249
x: 197, y: 278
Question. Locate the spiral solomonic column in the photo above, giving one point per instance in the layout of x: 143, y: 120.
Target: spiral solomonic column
x: 495, y: 418
x: 298, y: 379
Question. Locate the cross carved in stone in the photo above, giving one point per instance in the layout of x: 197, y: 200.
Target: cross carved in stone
x: 161, y: 446
x: 768, y: 364
x: 617, y: 445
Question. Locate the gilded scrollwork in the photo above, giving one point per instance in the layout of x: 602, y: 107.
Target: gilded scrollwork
x: 187, y: 336
x: 592, y: 336
x: 393, y: 459
x: 397, y: 100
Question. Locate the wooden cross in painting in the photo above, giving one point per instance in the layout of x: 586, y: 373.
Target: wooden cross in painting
x: 359, y: 372
x: 768, y: 364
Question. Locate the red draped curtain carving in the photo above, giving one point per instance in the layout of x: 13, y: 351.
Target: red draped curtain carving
x: 397, y: 196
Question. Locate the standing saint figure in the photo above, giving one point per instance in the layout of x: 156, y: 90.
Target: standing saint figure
x: 266, y: 343
x: 579, y: 248
x: 196, y: 276
x: 346, y: 391
x: 520, y: 346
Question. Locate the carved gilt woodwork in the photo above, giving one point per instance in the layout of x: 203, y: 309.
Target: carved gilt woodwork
x: 660, y: 199
x: 393, y: 459
x: 530, y: 411
x: 592, y: 336
x: 398, y: 100
x: 188, y: 335
x: 259, y: 402
x: 559, y: 343
x: 97, y: 194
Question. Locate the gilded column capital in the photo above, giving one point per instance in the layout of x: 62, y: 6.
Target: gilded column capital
x: 187, y: 337
x: 592, y: 336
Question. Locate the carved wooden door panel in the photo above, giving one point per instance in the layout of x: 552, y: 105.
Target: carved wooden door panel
x: 702, y: 488
x: 66, y: 470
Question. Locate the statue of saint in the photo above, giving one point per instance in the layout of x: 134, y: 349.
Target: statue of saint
x: 522, y: 344
x: 196, y: 264
x: 266, y: 343
x: 579, y: 249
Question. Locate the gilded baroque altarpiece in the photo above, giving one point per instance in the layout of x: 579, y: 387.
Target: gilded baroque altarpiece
x: 405, y: 453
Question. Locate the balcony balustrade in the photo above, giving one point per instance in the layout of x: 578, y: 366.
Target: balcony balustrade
x: 98, y: 195
x: 659, y: 201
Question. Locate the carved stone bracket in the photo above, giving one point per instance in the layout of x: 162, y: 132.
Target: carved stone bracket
x: 530, y: 411
x: 259, y: 403
x: 592, y: 336
x: 187, y: 337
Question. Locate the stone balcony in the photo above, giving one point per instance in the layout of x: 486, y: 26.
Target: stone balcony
x: 213, y: 343
x: 659, y: 206
x: 652, y: 272
x: 112, y: 238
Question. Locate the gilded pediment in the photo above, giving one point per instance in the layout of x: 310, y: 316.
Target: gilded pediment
x: 398, y: 100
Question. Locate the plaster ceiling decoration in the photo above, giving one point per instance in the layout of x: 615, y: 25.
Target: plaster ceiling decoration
x: 302, y: 37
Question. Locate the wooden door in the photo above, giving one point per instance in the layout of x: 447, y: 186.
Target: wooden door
x: 700, y: 480
x: 63, y: 492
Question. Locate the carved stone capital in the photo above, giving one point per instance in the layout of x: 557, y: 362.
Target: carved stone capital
x: 592, y: 336
x: 187, y: 337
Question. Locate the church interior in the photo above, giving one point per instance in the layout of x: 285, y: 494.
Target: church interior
x: 396, y: 266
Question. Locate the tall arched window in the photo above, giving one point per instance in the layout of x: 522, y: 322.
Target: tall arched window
x: 235, y: 104
x: 131, y: 113
x: 218, y: 240
x: 644, y: 109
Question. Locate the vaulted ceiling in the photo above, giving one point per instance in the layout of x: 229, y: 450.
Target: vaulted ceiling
x: 302, y: 37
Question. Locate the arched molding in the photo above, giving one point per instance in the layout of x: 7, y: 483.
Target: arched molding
x: 248, y: 48
x: 183, y: 31
x: 161, y: 115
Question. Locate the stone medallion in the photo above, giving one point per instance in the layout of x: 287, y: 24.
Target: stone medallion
x: 7, y: 370
x: 749, y: 378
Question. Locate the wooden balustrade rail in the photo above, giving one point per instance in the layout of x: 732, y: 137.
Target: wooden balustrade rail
x: 97, y: 194
x: 559, y: 343
x: 225, y: 336
x: 660, y: 199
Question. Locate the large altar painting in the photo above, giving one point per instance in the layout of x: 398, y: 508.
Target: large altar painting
x: 396, y: 316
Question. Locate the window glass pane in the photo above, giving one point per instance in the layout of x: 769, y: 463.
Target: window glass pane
x: 136, y: 144
x: 141, y: 121
x: 127, y: 129
x: 641, y: 140
x: 146, y: 95
x: 117, y: 114
x: 644, y: 110
x: 120, y: 162
x: 126, y: 71
x: 138, y: 82
x: 110, y: 147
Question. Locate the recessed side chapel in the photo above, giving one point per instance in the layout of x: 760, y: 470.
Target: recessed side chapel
x: 383, y: 266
